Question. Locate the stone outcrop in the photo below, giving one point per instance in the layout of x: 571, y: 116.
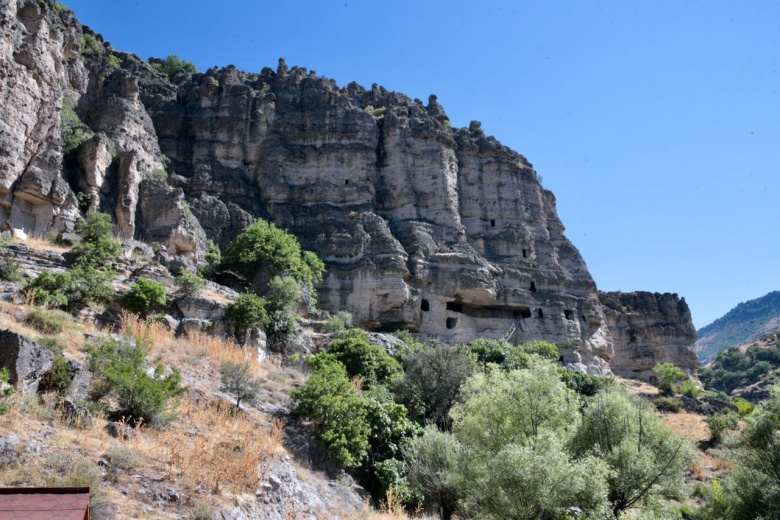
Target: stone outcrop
x: 422, y: 226
x: 25, y: 360
x: 649, y: 328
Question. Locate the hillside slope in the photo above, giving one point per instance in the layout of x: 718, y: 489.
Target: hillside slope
x: 743, y: 324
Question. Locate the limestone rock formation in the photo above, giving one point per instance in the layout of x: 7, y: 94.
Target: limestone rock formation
x: 25, y: 360
x: 422, y: 226
x: 649, y: 328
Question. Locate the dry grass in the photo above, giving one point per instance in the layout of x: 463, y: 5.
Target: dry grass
x: 688, y: 425
x: 215, y: 449
x: 634, y: 386
x: 28, y: 320
x: 41, y: 243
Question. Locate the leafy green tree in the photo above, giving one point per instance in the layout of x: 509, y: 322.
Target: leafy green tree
x: 247, y: 313
x: 431, y: 382
x: 390, y: 432
x: 372, y: 364
x: 669, y: 376
x: 145, y: 296
x: 97, y: 248
x: 120, y: 374
x: 514, y: 427
x: 585, y: 384
x: 753, y: 487
x: 332, y: 402
x: 173, y: 65
x: 237, y: 380
x: 282, y: 301
x: 49, y: 288
x: 264, y: 246
x: 213, y: 261
x: 645, y: 458
x: 432, y: 460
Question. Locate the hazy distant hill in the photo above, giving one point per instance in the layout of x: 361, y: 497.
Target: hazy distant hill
x: 744, y: 323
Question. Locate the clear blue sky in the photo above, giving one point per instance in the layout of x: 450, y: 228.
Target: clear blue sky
x: 655, y: 123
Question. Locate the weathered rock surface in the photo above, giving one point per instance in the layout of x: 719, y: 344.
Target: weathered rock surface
x: 441, y: 231
x: 25, y: 360
x: 649, y: 328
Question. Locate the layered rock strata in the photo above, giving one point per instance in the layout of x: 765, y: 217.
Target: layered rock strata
x: 422, y: 226
x: 649, y: 328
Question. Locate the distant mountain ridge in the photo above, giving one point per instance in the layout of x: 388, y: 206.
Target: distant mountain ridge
x: 743, y: 324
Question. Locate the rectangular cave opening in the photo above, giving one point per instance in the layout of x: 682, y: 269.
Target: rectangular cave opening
x: 455, y: 306
x: 525, y: 253
x: 492, y: 223
x: 425, y: 306
x: 523, y: 312
x: 451, y: 323
x: 539, y: 312
x: 533, y: 287
x: 568, y: 313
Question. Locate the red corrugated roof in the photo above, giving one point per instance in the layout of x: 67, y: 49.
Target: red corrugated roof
x: 44, y: 503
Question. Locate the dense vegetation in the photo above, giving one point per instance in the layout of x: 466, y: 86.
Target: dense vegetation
x: 489, y: 429
x: 172, y: 66
x: 738, y: 326
x: 734, y: 368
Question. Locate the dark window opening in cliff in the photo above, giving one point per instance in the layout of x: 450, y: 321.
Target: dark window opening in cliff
x: 455, y: 306
x: 533, y: 287
x: 492, y: 223
x: 346, y: 182
x: 524, y: 312
x: 425, y: 306
x: 451, y: 322
x: 539, y: 313
x: 583, y: 318
x: 568, y: 314
x: 631, y: 336
x: 525, y: 253
x: 560, y: 359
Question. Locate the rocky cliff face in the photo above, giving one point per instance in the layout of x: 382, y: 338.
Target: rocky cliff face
x: 438, y: 230
x: 649, y: 328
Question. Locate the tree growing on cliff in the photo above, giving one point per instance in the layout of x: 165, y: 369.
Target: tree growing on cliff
x: 173, y: 65
x: 264, y: 246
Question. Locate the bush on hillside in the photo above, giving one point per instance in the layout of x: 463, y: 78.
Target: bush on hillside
x: 121, y: 375
x: 247, y: 313
x: 85, y: 285
x: 669, y: 376
x: 145, y: 296
x: 97, y: 248
x: 173, y: 65
x: 372, y: 364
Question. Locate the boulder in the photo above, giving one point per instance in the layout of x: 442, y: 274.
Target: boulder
x: 25, y: 360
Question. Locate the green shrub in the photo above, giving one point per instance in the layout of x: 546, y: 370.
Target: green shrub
x: 237, y: 380
x: 330, y: 400
x: 159, y: 175
x: 690, y: 389
x: 585, y: 384
x: 49, y: 288
x: 190, y: 283
x: 338, y: 322
x: 201, y: 513
x: 667, y: 404
x: 264, y: 246
x: 120, y: 374
x: 9, y: 268
x: 744, y: 407
x: 213, y: 261
x: 90, y: 45
x: 145, y: 296
x: 122, y: 458
x: 50, y: 321
x: 668, y: 375
x: 507, y: 356
x: 6, y: 390
x: 719, y: 423
x: 97, y: 247
x: 173, y: 65
x: 57, y: 380
x: 372, y: 364
x: 113, y: 62
x: 247, y: 312
x: 74, y: 132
